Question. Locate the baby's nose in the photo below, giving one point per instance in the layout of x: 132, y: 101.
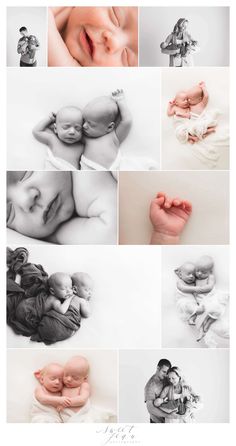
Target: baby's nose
x: 28, y: 199
x: 112, y: 42
x: 71, y: 130
x: 85, y: 125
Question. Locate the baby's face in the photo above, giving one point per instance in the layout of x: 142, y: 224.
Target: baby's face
x: 94, y: 126
x: 187, y: 273
x: 72, y: 376
x: 38, y: 201
x: 194, y: 95
x: 52, y: 378
x: 173, y: 378
x: 203, y: 271
x: 63, y: 288
x: 84, y: 289
x: 181, y: 99
x: 68, y: 125
x: 103, y: 36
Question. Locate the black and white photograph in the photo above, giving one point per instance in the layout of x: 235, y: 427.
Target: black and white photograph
x: 184, y: 36
x: 65, y: 208
x: 94, y: 119
x: 195, y: 119
x: 27, y: 37
x: 61, y: 386
x: 83, y: 296
x: 195, y: 297
x: 174, y: 386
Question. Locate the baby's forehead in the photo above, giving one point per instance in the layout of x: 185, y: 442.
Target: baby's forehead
x: 188, y: 267
x: 52, y: 369
x: 69, y: 113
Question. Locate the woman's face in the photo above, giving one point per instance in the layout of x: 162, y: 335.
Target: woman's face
x: 103, y: 36
x: 173, y: 378
x: 183, y: 26
x: 38, y: 202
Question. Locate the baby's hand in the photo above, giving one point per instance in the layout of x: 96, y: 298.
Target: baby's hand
x: 172, y: 103
x: 169, y: 215
x: 65, y: 401
x: 118, y: 95
x: 202, y: 84
x: 52, y: 117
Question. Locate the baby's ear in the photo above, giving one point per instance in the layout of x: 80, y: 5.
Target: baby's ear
x: 178, y: 272
x: 37, y: 374
x: 110, y: 127
x: 51, y: 290
x: 55, y: 127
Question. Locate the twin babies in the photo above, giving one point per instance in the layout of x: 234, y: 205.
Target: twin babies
x: 89, y: 139
x: 197, y: 281
x: 61, y: 392
x: 66, y: 290
x: 190, y: 105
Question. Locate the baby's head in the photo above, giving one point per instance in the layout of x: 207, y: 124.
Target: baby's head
x: 181, y: 99
x: 76, y: 371
x: 195, y: 95
x: 204, y: 267
x: 186, y: 272
x: 68, y: 125
x: 51, y: 377
x: 38, y: 201
x: 32, y: 42
x: 83, y: 285
x: 100, y: 117
x: 60, y: 285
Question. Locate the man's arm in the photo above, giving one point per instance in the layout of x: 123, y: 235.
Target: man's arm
x: 42, y: 132
x: 157, y: 412
x: 124, y: 126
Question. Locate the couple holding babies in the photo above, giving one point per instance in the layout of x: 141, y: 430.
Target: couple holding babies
x: 168, y: 398
x: 88, y: 139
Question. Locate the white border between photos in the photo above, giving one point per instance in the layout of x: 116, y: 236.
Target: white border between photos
x: 26, y: 434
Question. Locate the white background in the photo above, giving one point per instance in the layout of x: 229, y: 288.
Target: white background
x: 126, y: 303
x: 175, y: 332
x: 210, y: 27
x: 175, y: 155
x: 35, y: 20
x: 207, y: 191
x: 23, y: 434
x: 207, y: 371
x: 50, y: 89
x: 21, y: 381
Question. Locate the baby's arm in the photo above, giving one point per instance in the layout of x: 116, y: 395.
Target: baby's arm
x: 84, y: 307
x: 182, y: 286
x: 41, y: 130
x: 81, y: 399
x: 95, y: 202
x: 205, y: 98
x: 171, y: 108
x: 51, y: 400
x: 58, y: 53
x: 209, y: 286
x: 53, y: 303
x: 124, y: 126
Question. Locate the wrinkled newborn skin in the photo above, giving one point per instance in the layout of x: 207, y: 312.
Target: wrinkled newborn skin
x: 103, y: 36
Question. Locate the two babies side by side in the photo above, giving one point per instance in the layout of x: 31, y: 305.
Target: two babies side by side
x: 88, y: 139
x: 66, y: 290
x: 190, y: 105
x: 61, y: 391
x: 196, y: 294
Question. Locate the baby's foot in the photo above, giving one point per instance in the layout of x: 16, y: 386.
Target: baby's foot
x: 191, y: 322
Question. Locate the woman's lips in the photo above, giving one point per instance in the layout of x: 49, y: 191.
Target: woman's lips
x: 86, y: 43
x: 52, y: 209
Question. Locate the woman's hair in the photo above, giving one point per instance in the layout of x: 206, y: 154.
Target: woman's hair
x: 177, y: 25
x: 179, y: 373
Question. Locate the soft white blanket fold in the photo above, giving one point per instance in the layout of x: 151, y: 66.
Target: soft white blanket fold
x: 87, y: 414
x: 53, y: 162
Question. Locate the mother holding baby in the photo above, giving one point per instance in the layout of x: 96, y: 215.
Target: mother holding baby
x: 180, y: 46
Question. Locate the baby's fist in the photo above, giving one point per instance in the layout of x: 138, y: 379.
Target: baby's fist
x: 118, y: 95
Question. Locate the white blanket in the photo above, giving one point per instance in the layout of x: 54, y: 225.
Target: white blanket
x: 54, y: 163
x: 206, y: 150
x: 87, y: 414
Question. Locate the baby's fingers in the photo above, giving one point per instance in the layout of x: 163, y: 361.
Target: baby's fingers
x: 187, y: 206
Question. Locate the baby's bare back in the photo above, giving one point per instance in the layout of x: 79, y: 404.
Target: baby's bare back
x: 102, y: 150
x: 198, y: 108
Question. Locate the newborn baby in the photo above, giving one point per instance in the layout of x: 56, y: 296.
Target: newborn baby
x: 83, y: 285
x: 192, y: 122
x: 76, y: 387
x: 62, y: 133
x: 107, y: 122
x: 187, y: 303
x: 61, y: 293
x: 48, y: 395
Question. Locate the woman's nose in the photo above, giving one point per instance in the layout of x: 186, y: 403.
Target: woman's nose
x: 112, y: 42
